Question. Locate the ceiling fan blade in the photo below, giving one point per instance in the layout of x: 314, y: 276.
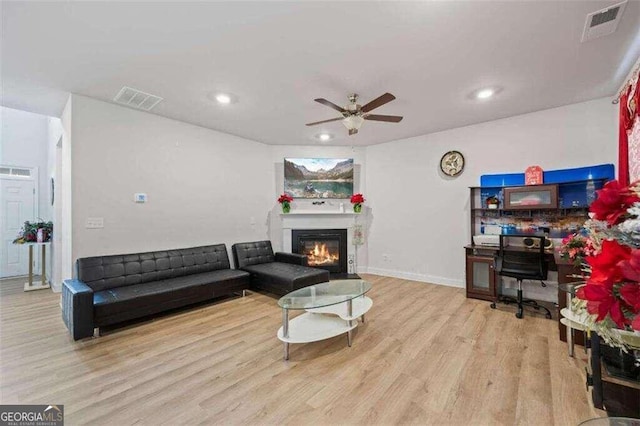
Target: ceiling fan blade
x: 325, y: 121
x: 388, y: 118
x: 378, y: 102
x: 330, y: 104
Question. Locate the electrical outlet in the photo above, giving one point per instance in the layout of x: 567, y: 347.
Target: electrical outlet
x: 94, y: 223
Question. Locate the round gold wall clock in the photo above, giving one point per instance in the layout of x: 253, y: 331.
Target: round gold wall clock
x: 452, y: 163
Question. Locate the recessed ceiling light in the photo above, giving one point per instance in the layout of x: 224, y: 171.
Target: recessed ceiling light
x: 324, y: 137
x: 223, y: 98
x: 485, y: 93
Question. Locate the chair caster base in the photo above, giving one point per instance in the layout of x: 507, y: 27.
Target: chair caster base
x: 492, y: 305
x: 548, y: 316
x: 519, y: 314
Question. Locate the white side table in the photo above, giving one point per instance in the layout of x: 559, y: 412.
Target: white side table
x: 29, y: 286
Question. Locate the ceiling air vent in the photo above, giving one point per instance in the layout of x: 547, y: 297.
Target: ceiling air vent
x: 136, y: 98
x: 603, y: 22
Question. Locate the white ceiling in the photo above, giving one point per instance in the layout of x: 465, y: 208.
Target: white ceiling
x: 278, y: 56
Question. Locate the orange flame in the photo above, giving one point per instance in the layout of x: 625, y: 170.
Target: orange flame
x: 321, y: 255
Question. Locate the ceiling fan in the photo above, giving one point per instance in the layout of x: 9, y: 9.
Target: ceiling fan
x: 353, y: 115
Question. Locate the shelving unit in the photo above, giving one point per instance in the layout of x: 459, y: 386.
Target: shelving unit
x: 572, y: 203
x: 569, y: 214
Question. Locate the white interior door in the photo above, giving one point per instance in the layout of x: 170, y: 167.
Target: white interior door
x: 17, y: 198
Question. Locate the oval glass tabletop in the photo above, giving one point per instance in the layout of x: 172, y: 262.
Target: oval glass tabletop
x: 324, y: 294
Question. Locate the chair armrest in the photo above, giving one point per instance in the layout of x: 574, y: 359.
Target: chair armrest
x: 77, y: 308
x: 296, y: 259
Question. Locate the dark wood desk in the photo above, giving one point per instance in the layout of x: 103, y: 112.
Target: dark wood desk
x: 482, y: 281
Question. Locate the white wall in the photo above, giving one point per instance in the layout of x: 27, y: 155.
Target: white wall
x: 203, y: 186
x: 63, y: 259
x: 54, y: 164
x: 421, y: 217
x: 24, y: 143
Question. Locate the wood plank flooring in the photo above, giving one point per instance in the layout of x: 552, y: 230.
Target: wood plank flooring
x: 426, y: 355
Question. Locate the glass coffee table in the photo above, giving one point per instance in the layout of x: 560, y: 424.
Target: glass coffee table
x: 332, y: 308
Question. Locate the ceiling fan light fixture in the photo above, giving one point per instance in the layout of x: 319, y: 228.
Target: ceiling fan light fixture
x: 353, y: 122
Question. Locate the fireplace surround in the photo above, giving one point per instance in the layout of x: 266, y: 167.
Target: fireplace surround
x: 325, y: 248
x: 325, y: 217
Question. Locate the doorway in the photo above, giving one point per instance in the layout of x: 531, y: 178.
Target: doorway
x: 17, y: 204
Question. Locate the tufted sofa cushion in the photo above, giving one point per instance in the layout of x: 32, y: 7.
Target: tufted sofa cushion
x: 107, y: 272
x: 254, y: 253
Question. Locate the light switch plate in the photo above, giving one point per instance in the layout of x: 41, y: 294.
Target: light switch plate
x: 95, y: 222
x: 140, y: 197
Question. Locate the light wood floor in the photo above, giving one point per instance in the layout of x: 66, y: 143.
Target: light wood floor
x: 426, y: 355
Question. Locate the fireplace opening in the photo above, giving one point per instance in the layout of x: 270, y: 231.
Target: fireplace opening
x: 324, y: 248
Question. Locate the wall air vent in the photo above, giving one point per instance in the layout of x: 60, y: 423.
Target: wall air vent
x: 15, y: 172
x: 136, y: 98
x: 603, y: 22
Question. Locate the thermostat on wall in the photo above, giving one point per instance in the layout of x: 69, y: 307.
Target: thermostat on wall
x: 140, y: 198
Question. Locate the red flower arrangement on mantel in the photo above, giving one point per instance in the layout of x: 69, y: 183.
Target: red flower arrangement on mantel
x: 611, y: 296
x: 285, y: 201
x: 357, y: 200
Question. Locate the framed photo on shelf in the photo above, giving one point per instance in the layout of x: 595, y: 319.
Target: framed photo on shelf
x: 531, y: 197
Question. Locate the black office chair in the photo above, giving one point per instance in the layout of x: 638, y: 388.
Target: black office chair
x: 522, y: 264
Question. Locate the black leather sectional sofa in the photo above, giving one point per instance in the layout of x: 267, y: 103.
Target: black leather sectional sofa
x: 278, y: 273
x: 113, y: 289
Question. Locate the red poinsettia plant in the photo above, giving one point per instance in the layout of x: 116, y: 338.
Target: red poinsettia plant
x: 357, y: 199
x: 285, y: 201
x: 285, y: 198
x: 611, y: 295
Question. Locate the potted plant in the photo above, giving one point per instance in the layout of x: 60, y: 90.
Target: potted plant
x: 493, y: 202
x: 285, y: 201
x: 576, y: 247
x: 35, y: 232
x: 357, y: 200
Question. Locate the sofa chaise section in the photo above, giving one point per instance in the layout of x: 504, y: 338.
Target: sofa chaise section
x: 278, y: 273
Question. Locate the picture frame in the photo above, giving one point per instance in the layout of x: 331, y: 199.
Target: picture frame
x: 531, y: 197
x: 315, y: 178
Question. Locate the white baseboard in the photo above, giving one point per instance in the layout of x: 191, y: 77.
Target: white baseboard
x: 432, y: 279
x: 56, y: 287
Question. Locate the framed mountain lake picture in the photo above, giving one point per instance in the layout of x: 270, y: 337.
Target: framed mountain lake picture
x: 318, y: 177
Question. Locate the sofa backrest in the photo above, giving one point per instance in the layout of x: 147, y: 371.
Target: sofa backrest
x: 105, y: 272
x: 246, y: 254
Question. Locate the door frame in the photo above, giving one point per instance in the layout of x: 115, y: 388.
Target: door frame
x: 35, y: 178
